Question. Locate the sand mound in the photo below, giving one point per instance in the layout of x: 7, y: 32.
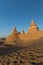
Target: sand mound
x: 13, y: 38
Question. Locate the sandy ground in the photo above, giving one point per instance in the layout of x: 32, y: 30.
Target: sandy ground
x: 27, y: 55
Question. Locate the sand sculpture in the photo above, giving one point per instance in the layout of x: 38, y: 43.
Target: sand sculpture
x: 33, y: 34
x: 12, y: 38
x: 33, y: 27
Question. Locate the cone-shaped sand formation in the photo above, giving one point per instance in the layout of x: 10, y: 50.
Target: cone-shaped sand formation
x: 32, y: 23
x: 33, y: 27
x: 13, y: 38
x: 15, y: 31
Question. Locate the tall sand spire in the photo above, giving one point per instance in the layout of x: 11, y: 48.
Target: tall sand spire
x: 12, y: 38
x: 33, y: 27
x: 14, y: 30
x: 32, y: 23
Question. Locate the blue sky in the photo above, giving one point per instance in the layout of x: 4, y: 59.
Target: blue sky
x: 19, y: 13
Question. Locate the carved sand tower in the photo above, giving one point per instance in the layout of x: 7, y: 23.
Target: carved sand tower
x: 12, y: 38
x: 34, y: 32
x: 33, y: 27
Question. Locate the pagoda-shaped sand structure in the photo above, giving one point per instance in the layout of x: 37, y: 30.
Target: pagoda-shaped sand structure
x: 33, y: 34
x: 12, y: 38
x: 33, y: 27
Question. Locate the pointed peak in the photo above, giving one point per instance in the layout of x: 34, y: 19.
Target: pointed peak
x: 14, y: 29
x: 33, y: 23
x: 33, y: 26
x: 32, y: 20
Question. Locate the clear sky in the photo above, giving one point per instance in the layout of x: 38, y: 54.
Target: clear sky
x: 19, y: 13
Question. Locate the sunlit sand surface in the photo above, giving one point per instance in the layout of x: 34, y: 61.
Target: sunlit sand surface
x: 27, y: 55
